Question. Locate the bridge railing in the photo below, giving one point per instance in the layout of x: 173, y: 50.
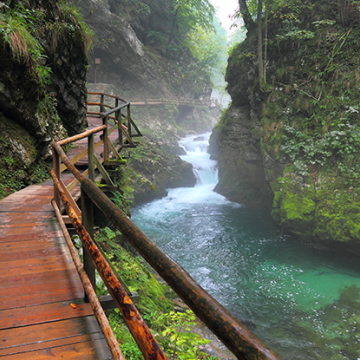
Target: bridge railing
x: 178, y: 102
x: 228, y: 329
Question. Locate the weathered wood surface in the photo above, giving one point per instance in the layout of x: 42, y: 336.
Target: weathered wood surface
x: 38, y: 282
x: 82, y: 144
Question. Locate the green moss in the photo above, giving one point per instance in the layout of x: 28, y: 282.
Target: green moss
x: 19, y: 163
x: 337, y: 211
x: 297, y: 212
x: 321, y: 205
x: 294, y: 202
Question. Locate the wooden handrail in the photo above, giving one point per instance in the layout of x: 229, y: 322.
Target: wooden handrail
x: 118, y: 117
x: 82, y: 135
x: 108, y: 95
x: 107, y: 113
x: 89, y: 290
x: 146, y: 341
x: 229, y: 330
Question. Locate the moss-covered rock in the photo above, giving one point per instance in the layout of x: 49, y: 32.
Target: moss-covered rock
x: 42, y: 85
x: 150, y: 171
x: 323, y: 205
x: 304, y: 120
x: 294, y: 202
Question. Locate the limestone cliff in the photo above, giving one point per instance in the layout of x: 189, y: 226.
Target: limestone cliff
x: 135, y: 66
x: 296, y: 140
x: 42, y: 85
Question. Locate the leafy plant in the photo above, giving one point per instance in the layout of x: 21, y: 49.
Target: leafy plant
x: 179, y: 342
x: 172, y: 330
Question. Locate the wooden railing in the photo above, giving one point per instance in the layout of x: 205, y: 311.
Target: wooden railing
x: 178, y: 102
x: 229, y: 330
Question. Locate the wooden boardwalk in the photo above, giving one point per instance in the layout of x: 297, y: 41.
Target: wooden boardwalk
x: 80, y: 145
x: 38, y: 282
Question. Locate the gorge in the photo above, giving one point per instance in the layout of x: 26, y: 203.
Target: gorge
x: 269, y: 225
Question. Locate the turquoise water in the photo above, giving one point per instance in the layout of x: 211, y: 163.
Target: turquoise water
x: 303, y: 303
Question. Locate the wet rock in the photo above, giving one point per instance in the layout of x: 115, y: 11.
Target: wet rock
x: 155, y: 170
x: 241, y: 172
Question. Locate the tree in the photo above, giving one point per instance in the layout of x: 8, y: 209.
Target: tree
x: 188, y: 15
x: 260, y: 44
x: 245, y: 13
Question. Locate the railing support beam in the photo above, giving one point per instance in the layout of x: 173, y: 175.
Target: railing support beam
x: 87, y: 208
x: 57, y: 171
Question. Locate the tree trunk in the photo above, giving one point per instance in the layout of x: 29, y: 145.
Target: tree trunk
x: 260, y: 52
x: 265, y: 39
x: 249, y: 23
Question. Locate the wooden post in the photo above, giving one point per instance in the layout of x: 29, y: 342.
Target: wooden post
x: 129, y: 120
x: 91, y: 152
x: 121, y: 142
x: 56, y: 166
x: 87, y: 210
x: 102, y: 107
x: 105, y: 139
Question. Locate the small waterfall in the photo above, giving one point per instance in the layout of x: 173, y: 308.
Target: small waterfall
x: 206, y: 174
x: 205, y: 169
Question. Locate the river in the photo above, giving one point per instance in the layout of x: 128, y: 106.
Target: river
x: 303, y: 301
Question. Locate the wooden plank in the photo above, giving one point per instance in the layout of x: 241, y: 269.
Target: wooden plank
x: 30, y: 254
x: 103, y: 171
x: 40, y: 298
x: 23, y: 218
x: 34, y: 263
x: 31, y: 267
x: 31, y: 236
x: 33, y: 229
x: 38, y: 281
x: 39, y: 288
x: 21, y: 200
x: 33, y: 244
x: 27, y: 223
x: 70, y: 199
x: 39, y: 314
x: 39, y: 278
x: 51, y: 343
x: 28, y: 208
x: 46, y: 190
x: 89, y: 350
x: 81, y: 155
x: 43, y: 333
x: 27, y: 195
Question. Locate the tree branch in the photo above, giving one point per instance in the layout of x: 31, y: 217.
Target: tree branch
x: 249, y: 23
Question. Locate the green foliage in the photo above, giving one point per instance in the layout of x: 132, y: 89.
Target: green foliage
x: 178, y: 341
x: 17, y: 27
x: 17, y: 172
x: 296, y: 34
x: 12, y: 179
x: 310, y: 115
x: 172, y: 330
x: 21, y: 30
x: 119, y: 200
x: 190, y: 14
x: 75, y: 24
